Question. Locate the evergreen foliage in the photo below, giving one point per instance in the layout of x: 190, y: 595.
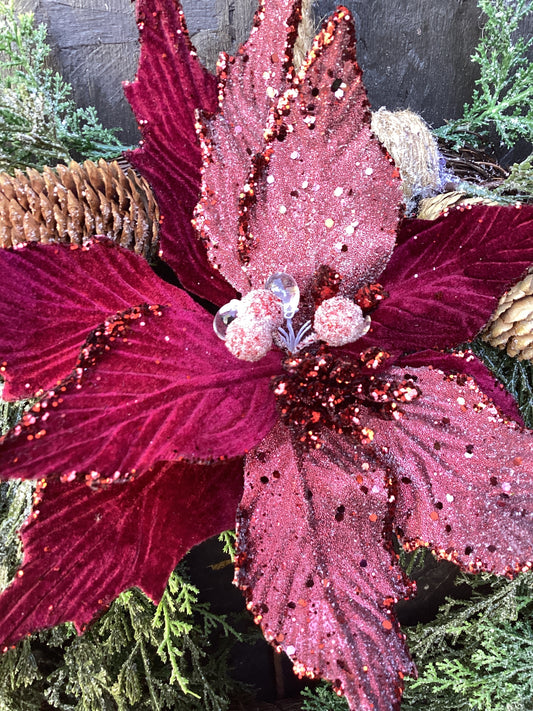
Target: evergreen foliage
x: 502, y: 103
x: 520, y: 181
x: 477, y: 654
x: 136, y: 656
x: 15, y: 503
x: 228, y: 539
x: 15, y: 506
x: 516, y: 375
x: 39, y: 122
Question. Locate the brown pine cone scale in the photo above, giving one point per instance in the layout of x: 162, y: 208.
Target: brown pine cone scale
x: 76, y: 202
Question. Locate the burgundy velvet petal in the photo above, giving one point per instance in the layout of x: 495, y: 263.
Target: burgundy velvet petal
x: 445, y: 281
x: 317, y: 570
x: 52, y: 296
x: 249, y: 84
x: 469, y: 364
x: 170, y: 85
x: 323, y: 192
x: 150, y: 385
x: 83, y: 547
x: 464, y: 475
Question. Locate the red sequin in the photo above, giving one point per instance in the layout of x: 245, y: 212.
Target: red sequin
x: 320, y: 390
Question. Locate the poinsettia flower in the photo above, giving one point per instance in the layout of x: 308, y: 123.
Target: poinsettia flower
x: 352, y: 428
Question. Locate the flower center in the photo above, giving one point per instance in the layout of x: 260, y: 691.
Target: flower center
x: 318, y: 390
x: 251, y: 326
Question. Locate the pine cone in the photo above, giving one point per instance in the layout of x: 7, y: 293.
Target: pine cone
x: 74, y: 203
x: 511, y: 326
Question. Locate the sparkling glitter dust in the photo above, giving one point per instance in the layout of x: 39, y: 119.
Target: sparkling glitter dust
x: 326, y: 284
x: 248, y: 338
x: 280, y: 197
x: 339, y: 321
x: 321, y: 390
x: 341, y: 448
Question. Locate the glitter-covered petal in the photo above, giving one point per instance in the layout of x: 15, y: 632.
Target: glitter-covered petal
x: 83, y: 547
x: 53, y: 295
x: 463, y: 474
x: 445, y: 280
x: 311, y: 198
x: 469, y: 364
x: 152, y: 384
x: 250, y: 83
x: 170, y: 86
x: 316, y: 567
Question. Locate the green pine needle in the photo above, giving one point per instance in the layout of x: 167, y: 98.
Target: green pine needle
x: 228, y: 540
x: 520, y: 181
x: 135, y: 658
x: 503, y: 100
x: 39, y: 122
x: 516, y: 376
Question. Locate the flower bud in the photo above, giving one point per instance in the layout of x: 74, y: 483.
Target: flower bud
x: 339, y: 321
x: 249, y: 338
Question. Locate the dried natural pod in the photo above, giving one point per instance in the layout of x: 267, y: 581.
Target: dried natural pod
x: 306, y: 33
x: 472, y: 165
x: 511, y: 326
x: 75, y: 203
x: 408, y: 139
x: 431, y: 208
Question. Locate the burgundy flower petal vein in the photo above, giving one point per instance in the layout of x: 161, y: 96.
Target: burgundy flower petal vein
x: 170, y: 86
x: 152, y: 383
x: 83, y: 547
x: 317, y: 566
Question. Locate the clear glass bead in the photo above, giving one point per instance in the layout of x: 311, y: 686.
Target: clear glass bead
x: 224, y: 316
x: 286, y: 289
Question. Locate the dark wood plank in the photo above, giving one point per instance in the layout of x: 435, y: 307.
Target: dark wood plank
x: 415, y: 53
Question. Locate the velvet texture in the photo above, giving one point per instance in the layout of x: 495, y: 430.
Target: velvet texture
x: 53, y: 296
x: 152, y: 383
x: 445, y: 281
x: 146, y: 387
x: 83, y: 546
x: 170, y: 86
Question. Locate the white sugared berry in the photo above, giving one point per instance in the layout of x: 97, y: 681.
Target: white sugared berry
x: 263, y: 305
x: 249, y: 338
x: 339, y: 321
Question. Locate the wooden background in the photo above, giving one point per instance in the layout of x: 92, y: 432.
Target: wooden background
x: 415, y: 53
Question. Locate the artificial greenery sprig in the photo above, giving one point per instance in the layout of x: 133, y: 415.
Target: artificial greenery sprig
x: 516, y: 375
x: 519, y: 183
x: 502, y: 103
x: 39, y: 122
x: 135, y: 657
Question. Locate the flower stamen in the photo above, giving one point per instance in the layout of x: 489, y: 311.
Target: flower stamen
x: 290, y: 340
